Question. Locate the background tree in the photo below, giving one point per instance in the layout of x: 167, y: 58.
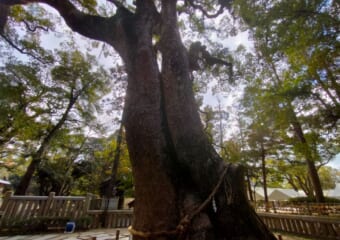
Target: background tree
x: 21, y: 92
x: 303, y: 34
x: 54, y: 174
x: 277, y: 92
x: 67, y: 97
x: 95, y: 166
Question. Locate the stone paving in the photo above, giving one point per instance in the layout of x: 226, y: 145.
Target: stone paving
x: 99, y: 234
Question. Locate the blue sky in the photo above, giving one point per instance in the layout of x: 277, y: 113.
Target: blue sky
x: 335, y: 163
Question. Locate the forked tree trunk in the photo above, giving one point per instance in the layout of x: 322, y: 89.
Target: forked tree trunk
x: 175, y: 168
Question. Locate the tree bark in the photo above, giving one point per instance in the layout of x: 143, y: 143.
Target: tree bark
x: 250, y: 191
x: 264, y: 174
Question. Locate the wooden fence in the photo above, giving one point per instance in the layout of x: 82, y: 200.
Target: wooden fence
x: 284, y: 207
x: 25, y: 208
x: 310, y: 226
x: 112, y: 218
x: 21, y: 208
x: 53, y: 211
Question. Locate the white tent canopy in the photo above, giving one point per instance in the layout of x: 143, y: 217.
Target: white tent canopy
x: 4, y: 182
x: 277, y: 194
x: 283, y: 194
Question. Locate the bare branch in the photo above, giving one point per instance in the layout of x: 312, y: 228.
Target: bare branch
x: 34, y: 28
x: 22, y: 50
x: 197, y: 52
x: 205, y: 12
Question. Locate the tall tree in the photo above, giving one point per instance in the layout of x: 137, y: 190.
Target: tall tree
x: 75, y: 85
x: 198, y: 195
x: 298, y: 41
x: 96, y: 165
x: 54, y: 173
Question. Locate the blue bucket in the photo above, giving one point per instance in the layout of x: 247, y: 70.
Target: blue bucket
x: 70, y: 226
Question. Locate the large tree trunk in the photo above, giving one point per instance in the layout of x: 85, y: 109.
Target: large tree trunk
x: 25, y: 180
x: 175, y: 168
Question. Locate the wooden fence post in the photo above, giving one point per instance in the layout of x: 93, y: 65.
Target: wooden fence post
x: 6, y: 197
x: 87, y: 202
x: 48, y: 204
x: 308, y: 209
x: 117, y: 234
x: 274, y: 208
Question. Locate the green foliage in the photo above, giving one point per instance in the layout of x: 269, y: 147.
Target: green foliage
x: 55, y: 172
x: 20, y: 90
x: 89, y: 5
x: 208, y: 116
x: 328, y: 177
x: 50, y: 105
x: 291, y: 84
x: 301, y: 35
x: 96, y: 167
x: 232, y: 152
x: 33, y: 14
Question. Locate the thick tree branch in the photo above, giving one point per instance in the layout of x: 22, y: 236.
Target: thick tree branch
x: 150, y: 7
x: 222, y: 4
x: 198, y: 52
x: 117, y: 3
x: 91, y: 26
x: 94, y: 27
x: 4, y: 11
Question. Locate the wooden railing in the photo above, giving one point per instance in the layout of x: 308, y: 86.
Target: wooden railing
x: 25, y: 208
x: 311, y: 226
x: 21, y: 208
x: 330, y: 209
x: 112, y: 218
x: 53, y: 211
